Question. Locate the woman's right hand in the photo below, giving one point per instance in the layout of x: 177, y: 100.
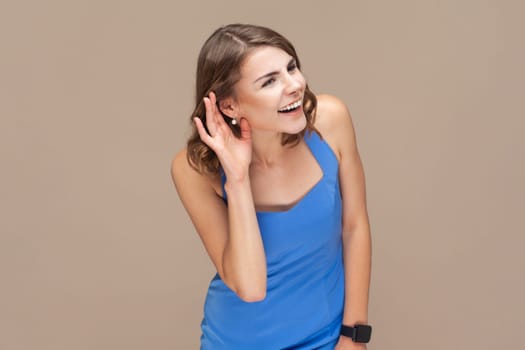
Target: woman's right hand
x: 234, y: 153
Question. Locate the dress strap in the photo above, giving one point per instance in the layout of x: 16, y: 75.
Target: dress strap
x: 223, y: 181
x: 323, y: 153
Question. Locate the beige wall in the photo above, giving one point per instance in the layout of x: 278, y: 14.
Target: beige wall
x: 96, y: 251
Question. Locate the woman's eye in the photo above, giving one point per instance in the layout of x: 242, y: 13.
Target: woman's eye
x: 292, y: 67
x: 268, y: 82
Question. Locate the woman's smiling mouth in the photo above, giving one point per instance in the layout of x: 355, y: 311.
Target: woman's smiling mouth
x: 291, y: 107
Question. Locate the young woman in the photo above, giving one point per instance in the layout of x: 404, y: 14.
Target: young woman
x: 273, y: 183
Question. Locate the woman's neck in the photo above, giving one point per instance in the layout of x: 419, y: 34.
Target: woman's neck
x: 267, y: 149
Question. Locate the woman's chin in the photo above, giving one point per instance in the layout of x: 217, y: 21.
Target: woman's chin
x: 297, y: 126
x: 290, y: 126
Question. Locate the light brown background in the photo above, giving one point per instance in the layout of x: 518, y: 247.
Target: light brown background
x: 96, y: 251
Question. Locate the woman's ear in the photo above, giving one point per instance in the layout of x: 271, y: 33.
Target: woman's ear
x: 228, y: 107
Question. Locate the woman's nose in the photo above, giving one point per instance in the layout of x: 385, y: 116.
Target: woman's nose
x: 293, y: 82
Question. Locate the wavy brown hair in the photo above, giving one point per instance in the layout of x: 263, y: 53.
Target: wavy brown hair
x: 218, y: 70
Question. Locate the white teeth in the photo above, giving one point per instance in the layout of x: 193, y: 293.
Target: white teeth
x: 291, y: 106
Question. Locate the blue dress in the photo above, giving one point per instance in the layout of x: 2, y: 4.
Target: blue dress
x: 303, y: 308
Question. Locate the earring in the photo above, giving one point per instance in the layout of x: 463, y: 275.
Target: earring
x: 234, y: 121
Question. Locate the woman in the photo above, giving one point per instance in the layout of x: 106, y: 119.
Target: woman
x: 273, y: 183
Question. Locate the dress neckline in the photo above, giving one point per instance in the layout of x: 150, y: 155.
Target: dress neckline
x: 312, y: 189
x: 308, y: 138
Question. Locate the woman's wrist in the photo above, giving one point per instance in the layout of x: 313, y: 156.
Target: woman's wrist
x: 237, y: 184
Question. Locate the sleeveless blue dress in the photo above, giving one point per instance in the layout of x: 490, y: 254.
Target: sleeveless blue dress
x: 303, y: 307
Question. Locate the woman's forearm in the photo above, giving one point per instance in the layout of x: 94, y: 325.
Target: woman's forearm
x: 244, y: 261
x: 357, y: 254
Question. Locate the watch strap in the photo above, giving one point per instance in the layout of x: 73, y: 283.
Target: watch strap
x: 359, y: 333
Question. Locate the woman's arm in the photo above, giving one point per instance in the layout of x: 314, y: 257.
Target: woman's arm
x: 230, y: 233
x: 356, y: 228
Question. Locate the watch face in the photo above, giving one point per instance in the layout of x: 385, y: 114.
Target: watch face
x: 363, y: 333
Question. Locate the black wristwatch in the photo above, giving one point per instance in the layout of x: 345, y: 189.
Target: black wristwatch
x: 360, y: 333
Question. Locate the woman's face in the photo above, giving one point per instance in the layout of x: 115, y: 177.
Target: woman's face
x: 270, y: 83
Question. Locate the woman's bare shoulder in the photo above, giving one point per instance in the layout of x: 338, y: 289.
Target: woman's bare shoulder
x: 333, y: 120
x: 184, y: 175
x: 331, y: 112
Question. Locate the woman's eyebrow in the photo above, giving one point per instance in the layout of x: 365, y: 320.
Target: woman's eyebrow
x: 267, y: 75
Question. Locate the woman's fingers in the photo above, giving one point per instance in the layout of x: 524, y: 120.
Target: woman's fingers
x: 216, y: 119
x: 219, y: 119
x: 213, y: 109
x: 246, y: 131
x: 210, y: 118
x: 202, y: 132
